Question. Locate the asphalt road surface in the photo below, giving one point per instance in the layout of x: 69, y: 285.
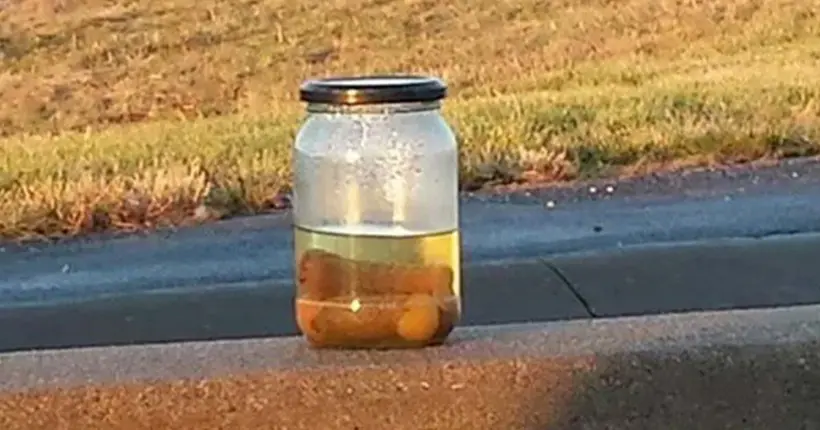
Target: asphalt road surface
x: 741, y: 203
x: 224, y: 279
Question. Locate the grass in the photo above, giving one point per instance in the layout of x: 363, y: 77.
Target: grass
x: 134, y: 114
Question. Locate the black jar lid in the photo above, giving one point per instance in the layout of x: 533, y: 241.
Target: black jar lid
x: 376, y: 89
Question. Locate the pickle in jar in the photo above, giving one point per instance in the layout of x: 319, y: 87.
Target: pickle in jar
x: 402, y: 288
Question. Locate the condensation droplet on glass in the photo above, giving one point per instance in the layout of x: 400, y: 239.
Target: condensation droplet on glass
x: 352, y: 156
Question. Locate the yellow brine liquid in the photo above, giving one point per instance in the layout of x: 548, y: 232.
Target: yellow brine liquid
x: 383, y: 288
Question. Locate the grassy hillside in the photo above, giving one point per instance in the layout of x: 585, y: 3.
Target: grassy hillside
x: 130, y: 114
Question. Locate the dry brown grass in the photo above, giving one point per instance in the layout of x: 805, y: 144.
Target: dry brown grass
x: 131, y: 114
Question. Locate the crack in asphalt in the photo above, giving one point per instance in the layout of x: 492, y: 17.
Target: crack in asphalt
x: 779, y: 232
x: 574, y: 291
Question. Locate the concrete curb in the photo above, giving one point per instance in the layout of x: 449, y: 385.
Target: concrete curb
x: 753, y: 369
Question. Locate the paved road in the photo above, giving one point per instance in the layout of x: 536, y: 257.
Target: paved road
x: 232, y: 279
x: 743, y: 203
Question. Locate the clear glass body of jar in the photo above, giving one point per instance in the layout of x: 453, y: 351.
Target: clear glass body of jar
x: 377, y: 248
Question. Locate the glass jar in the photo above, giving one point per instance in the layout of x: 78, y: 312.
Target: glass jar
x: 375, y: 206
